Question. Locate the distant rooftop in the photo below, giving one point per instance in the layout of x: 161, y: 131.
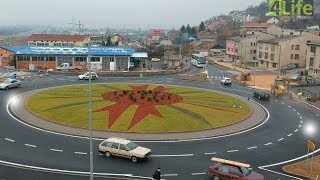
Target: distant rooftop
x: 315, y: 42
x: 278, y: 39
x: 239, y: 38
x: 67, y: 50
x: 57, y: 37
x: 256, y: 25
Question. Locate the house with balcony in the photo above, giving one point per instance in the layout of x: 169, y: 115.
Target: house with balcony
x: 278, y: 52
x: 313, y: 58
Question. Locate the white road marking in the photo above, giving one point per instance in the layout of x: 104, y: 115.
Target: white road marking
x: 300, y: 117
x: 300, y: 126
x: 80, y: 153
x: 167, y: 175
x: 232, y: 151
x: 298, y: 113
x: 11, y: 140
x: 282, y: 102
x: 101, y: 154
x: 253, y: 147
x: 57, y: 150
x: 30, y: 145
x: 267, y: 144
x: 289, y: 135
x: 301, y: 122
x: 194, y: 174
x: 210, y: 153
x: 172, y: 155
x: 294, y: 109
x: 296, y: 130
x: 289, y: 106
x: 276, y: 100
x: 280, y: 139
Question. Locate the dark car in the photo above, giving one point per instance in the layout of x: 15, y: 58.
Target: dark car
x: 262, y: 95
x: 225, y: 169
x: 290, y: 66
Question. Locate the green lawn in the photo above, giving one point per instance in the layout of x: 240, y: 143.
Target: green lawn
x: 197, y: 110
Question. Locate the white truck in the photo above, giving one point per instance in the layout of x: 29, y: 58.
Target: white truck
x: 65, y: 66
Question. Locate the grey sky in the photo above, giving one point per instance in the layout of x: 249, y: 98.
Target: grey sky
x: 117, y: 13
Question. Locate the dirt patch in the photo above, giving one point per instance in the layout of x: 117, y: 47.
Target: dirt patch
x: 301, y: 170
x: 231, y: 66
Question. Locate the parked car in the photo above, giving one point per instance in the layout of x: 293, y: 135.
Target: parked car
x: 226, y: 169
x: 225, y: 81
x: 309, y: 79
x: 262, y: 95
x: 155, y: 60
x: 86, y: 76
x: 290, y: 66
x: 123, y: 148
x: 10, y: 83
x: 296, y: 77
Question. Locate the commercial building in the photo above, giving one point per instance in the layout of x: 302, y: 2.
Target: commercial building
x: 313, y: 58
x: 58, y: 40
x: 278, y: 52
x: 50, y: 57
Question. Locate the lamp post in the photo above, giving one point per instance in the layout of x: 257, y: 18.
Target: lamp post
x: 90, y: 111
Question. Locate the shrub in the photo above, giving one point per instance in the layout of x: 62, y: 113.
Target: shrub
x: 117, y: 97
x: 162, y: 97
x: 149, y: 99
x: 157, y: 100
x: 115, y: 93
x: 138, y: 91
x: 150, y: 91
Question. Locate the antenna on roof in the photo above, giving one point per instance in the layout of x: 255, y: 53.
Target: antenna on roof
x: 80, y: 26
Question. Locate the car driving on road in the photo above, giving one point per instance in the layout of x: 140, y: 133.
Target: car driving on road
x: 155, y: 60
x: 225, y: 81
x: 10, y: 83
x: 226, y: 169
x: 262, y: 95
x: 123, y: 148
x: 86, y: 76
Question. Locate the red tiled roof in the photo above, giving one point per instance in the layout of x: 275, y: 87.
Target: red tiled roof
x: 57, y: 37
x: 254, y: 24
x: 156, y: 31
x: 206, y: 35
x: 205, y: 45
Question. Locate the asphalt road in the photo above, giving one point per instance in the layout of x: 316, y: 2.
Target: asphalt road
x: 280, y: 139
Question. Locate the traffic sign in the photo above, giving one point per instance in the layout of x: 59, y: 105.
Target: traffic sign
x: 311, y: 145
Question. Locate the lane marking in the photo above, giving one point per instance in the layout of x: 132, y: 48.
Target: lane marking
x: 296, y: 130
x: 300, y: 126
x: 57, y: 150
x: 300, y: 117
x: 267, y: 144
x: 233, y: 151
x: 294, y: 109
x: 101, y: 154
x: 289, y: 135
x: 194, y: 174
x: 210, y: 153
x: 276, y: 100
x: 298, y: 113
x: 30, y: 145
x: 11, y: 140
x: 289, y: 106
x: 282, y: 102
x: 253, y: 147
x: 167, y: 175
x: 173, y: 155
x: 280, y: 139
x: 83, y: 153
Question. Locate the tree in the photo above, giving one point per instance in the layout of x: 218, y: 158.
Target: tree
x: 193, y: 32
x: 202, y: 26
x: 188, y: 29
x: 183, y: 29
x: 109, y: 42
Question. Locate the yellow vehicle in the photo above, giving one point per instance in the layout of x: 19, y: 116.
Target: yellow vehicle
x: 155, y: 60
x: 245, y: 76
x: 280, y: 87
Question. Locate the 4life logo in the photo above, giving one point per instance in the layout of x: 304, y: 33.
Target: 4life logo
x: 290, y: 7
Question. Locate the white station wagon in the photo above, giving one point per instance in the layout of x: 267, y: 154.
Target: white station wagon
x: 124, y: 148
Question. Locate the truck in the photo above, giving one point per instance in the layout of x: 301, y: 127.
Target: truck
x: 67, y: 66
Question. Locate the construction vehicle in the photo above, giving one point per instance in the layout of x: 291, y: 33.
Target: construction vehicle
x: 280, y: 87
x: 245, y: 76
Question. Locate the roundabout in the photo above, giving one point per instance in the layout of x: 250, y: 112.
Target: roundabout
x: 265, y: 145
x: 134, y: 110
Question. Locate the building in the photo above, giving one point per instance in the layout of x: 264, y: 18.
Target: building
x: 278, y: 52
x: 155, y: 36
x: 39, y: 57
x: 290, y: 32
x: 7, y: 58
x: 118, y: 40
x: 243, y: 48
x: 207, y: 36
x: 58, y: 40
x: 217, y: 50
x: 269, y: 19
x: 256, y: 28
x: 313, y: 58
x: 214, y: 25
x: 203, y: 48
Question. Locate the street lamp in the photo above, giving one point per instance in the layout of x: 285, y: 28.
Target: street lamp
x: 90, y: 110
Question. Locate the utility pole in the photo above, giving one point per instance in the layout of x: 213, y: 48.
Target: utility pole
x: 90, y: 110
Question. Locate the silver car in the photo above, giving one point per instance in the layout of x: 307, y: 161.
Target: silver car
x: 10, y: 83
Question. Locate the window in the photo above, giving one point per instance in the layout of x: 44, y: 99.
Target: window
x: 261, y: 62
x: 95, y: 59
x: 236, y: 50
x: 224, y: 169
x: 23, y: 58
x: 273, y: 47
x: 107, y: 144
x: 274, y: 65
x: 123, y: 147
x: 231, y: 49
x: 313, y: 49
x: 115, y: 145
x: 311, y: 62
x: 250, y: 51
x: 266, y: 47
x: 292, y: 47
x: 297, y: 47
x: 260, y: 54
x: 296, y: 56
x: 254, y: 58
x: 51, y: 58
x: 291, y: 56
x: 80, y: 59
x: 272, y: 56
x: 235, y: 171
x: 291, y: 33
x: 266, y: 55
x: 57, y: 44
x: 228, y: 49
x: 254, y: 51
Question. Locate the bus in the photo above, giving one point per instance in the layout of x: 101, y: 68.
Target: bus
x: 198, y: 60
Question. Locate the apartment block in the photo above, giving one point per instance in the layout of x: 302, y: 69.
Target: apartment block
x: 313, y: 58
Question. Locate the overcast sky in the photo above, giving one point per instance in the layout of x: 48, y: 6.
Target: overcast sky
x: 116, y: 13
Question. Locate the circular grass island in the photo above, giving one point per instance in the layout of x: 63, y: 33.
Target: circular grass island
x: 138, y: 108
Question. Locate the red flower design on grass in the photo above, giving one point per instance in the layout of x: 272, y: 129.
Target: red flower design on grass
x: 139, y: 95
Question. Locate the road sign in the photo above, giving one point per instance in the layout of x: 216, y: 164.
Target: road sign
x: 311, y: 145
